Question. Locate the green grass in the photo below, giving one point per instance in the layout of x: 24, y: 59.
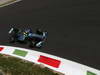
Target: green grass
x: 90, y: 73
x: 15, y: 66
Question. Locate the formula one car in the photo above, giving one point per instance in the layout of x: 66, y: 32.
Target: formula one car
x: 35, y: 39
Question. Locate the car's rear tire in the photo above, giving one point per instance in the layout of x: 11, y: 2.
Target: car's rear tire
x: 12, y: 40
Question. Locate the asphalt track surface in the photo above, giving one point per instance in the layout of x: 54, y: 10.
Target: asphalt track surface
x: 73, y: 27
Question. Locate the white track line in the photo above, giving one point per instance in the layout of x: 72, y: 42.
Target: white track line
x: 9, y: 3
x: 67, y: 67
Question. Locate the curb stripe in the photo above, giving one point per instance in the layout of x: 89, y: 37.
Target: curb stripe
x: 1, y: 48
x: 20, y: 52
x: 49, y: 61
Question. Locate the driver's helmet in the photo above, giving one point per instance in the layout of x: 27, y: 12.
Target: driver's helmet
x: 27, y: 31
